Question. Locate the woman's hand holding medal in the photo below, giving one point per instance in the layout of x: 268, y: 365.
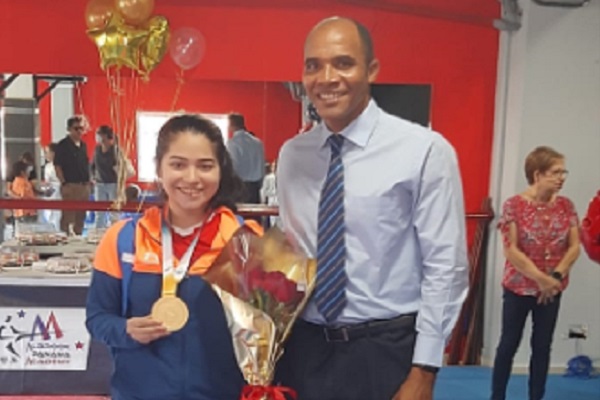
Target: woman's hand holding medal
x: 145, y: 329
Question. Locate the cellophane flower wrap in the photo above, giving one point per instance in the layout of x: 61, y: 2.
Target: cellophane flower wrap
x: 263, y: 284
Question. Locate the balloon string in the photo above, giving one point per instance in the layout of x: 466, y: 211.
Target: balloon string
x: 80, y: 100
x: 180, y: 82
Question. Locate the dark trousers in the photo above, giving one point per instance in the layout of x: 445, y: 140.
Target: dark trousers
x: 252, y: 192
x: 371, y: 364
x: 514, y: 313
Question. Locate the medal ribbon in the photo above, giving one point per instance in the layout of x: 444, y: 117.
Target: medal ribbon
x: 172, y: 274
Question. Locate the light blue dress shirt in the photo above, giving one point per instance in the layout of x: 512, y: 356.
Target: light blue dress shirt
x: 405, y: 222
x: 247, y: 155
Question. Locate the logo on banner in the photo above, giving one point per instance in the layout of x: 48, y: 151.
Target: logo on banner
x: 43, y: 339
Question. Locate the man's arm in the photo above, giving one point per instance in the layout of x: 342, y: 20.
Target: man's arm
x: 440, y: 226
x: 262, y: 157
x: 58, y: 164
x: 439, y: 220
x: 233, y: 149
x: 93, y: 167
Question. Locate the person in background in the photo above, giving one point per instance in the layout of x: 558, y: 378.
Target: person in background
x: 50, y: 177
x: 73, y: 170
x: 23, y: 189
x: 268, y: 192
x: 104, y: 171
x: 377, y: 200
x: 541, y: 243
x: 200, y: 190
x: 132, y: 194
x: 248, y: 156
x: 28, y: 160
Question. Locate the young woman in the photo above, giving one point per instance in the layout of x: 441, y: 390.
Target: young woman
x: 541, y: 243
x: 170, y: 339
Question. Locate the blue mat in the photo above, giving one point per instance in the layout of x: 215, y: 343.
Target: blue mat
x: 473, y: 383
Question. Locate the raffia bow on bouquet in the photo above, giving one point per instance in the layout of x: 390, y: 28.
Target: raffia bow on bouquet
x: 263, y: 284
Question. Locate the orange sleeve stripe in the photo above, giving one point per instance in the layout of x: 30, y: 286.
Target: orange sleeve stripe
x: 107, y: 257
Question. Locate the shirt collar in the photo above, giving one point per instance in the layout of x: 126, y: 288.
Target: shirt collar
x: 358, y: 131
x: 153, y: 217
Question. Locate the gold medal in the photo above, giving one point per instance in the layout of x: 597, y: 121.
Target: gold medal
x: 171, y: 311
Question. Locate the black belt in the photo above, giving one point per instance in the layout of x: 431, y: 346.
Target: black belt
x: 352, y: 332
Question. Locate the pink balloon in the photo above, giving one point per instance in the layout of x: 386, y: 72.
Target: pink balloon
x: 187, y: 47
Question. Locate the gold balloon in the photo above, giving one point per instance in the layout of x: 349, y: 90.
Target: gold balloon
x: 135, y: 12
x: 119, y: 44
x: 155, y: 47
x: 98, y: 13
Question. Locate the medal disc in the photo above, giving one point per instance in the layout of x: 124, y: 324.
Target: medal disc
x: 171, y: 311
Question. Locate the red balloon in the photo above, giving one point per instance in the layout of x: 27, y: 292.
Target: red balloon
x: 187, y: 47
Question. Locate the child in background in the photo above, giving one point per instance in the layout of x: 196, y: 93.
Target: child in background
x: 23, y: 189
x: 132, y: 193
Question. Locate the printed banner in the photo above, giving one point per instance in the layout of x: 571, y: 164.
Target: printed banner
x: 43, y: 339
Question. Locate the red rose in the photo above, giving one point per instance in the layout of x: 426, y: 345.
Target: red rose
x: 272, y: 281
x: 285, y: 291
x: 255, y: 279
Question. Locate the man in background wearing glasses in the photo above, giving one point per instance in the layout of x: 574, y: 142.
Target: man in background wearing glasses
x: 72, y: 168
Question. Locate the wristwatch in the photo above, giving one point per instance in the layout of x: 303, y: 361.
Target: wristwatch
x: 427, y: 368
x: 557, y: 275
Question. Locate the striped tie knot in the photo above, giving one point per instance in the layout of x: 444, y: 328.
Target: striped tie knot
x: 335, y: 141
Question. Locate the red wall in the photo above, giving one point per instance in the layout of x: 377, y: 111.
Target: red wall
x: 265, y: 44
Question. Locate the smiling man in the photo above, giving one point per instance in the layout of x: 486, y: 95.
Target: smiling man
x: 378, y: 201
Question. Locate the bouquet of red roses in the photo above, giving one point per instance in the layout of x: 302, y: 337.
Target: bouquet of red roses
x: 263, y: 284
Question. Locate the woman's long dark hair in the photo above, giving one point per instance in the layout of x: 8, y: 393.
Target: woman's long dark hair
x: 231, y: 188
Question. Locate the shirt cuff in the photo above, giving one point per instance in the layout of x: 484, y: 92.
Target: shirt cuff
x: 429, y: 350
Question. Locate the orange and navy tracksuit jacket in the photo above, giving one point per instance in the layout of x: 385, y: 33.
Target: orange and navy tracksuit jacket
x: 194, y: 363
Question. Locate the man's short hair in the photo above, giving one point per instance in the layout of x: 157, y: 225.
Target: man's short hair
x: 74, y: 120
x: 366, y: 41
x: 236, y: 120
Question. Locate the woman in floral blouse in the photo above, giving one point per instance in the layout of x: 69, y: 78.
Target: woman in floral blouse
x: 541, y: 243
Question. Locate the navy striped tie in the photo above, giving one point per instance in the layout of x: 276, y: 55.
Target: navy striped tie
x: 330, y: 292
